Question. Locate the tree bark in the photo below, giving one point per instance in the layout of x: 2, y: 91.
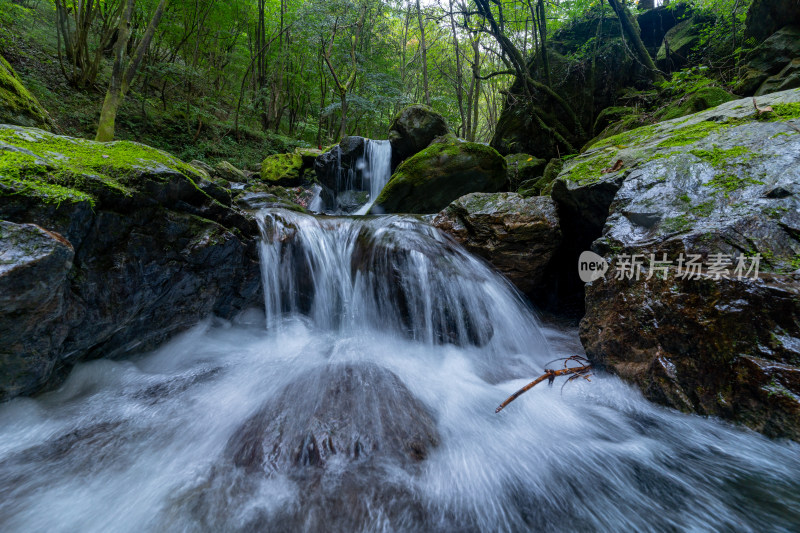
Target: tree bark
x: 631, y: 31
x: 424, y: 50
x: 120, y: 82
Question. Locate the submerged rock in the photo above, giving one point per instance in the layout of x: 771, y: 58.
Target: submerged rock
x: 414, y: 128
x: 156, y: 245
x: 723, y: 185
x: 431, y: 179
x: 518, y: 236
x: 347, y: 435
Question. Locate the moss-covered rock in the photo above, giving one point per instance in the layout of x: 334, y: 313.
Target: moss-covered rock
x: 678, y: 43
x: 699, y: 100
x: 283, y: 169
x: 156, y: 248
x: 413, y: 129
x: 17, y: 104
x: 228, y: 172
x: 523, y: 167
x: 722, y: 186
x: 431, y: 179
x: 768, y: 59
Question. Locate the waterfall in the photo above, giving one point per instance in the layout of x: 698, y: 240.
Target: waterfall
x: 377, y: 170
x: 367, y: 404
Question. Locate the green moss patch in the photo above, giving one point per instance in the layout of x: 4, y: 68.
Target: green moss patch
x: 57, y: 168
x: 17, y: 104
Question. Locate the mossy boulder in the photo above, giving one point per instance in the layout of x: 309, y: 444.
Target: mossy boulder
x: 679, y: 42
x: 788, y: 78
x: 542, y: 185
x: 611, y: 115
x: 523, y: 167
x: 228, y: 172
x: 156, y: 246
x: 17, y: 104
x: 722, y: 185
x: 768, y: 59
x: 413, y: 129
x: 283, y: 169
x: 428, y: 181
x: 699, y: 100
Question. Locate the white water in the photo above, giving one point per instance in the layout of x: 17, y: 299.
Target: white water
x: 146, y: 444
x: 377, y: 168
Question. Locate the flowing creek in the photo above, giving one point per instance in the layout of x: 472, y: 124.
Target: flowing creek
x: 367, y: 404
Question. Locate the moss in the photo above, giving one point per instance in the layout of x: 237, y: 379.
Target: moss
x: 730, y: 182
x: 17, y: 104
x: 694, y: 102
x: 702, y: 210
x: 626, y: 138
x: 591, y: 170
x: 783, y: 112
x: 691, y: 134
x: 718, y: 157
x: 58, y: 168
x: 282, y: 167
x: 676, y: 224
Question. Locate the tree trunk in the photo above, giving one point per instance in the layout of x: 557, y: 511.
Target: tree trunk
x: 120, y: 83
x: 424, y: 49
x: 631, y: 31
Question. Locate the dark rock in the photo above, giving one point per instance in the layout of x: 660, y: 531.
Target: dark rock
x: 17, y: 104
x: 337, y: 169
x: 335, y: 440
x: 34, y: 264
x: 769, y: 59
x: 788, y: 78
x: 700, y: 186
x: 155, y: 251
x: 413, y: 129
x: 655, y: 23
x: 765, y: 17
x: 518, y: 236
x: 523, y: 167
x: 519, y: 128
x: 428, y: 181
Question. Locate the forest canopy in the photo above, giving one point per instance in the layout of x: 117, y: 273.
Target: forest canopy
x: 212, y: 73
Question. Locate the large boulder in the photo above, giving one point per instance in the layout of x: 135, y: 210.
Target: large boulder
x: 17, y: 104
x: 283, y: 169
x: 413, y: 129
x: 34, y: 264
x: 428, y: 181
x: 767, y: 60
x: 518, y: 236
x: 156, y: 248
x: 679, y: 43
x: 338, y: 166
x: 722, y: 188
x: 334, y: 443
x: 765, y: 17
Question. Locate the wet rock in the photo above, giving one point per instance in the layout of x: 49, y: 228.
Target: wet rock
x: 413, y: 129
x: 34, y: 264
x: 724, y: 185
x: 518, y: 236
x: 334, y: 434
x: 157, y: 246
x: 17, y: 104
x: 431, y: 179
x: 339, y: 165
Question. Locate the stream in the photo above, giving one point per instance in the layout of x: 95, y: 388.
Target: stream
x: 362, y: 399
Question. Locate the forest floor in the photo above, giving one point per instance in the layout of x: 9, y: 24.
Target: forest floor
x: 202, y: 130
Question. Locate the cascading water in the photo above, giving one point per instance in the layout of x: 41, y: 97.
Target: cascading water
x: 367, y: 404
x: 370, y: 174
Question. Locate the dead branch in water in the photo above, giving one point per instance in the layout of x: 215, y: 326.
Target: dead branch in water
x: 584, y: 370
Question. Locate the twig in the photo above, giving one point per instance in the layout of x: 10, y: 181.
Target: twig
x: 583, y: 371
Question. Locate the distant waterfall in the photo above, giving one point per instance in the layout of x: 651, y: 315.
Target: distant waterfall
x: 377, y: 170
